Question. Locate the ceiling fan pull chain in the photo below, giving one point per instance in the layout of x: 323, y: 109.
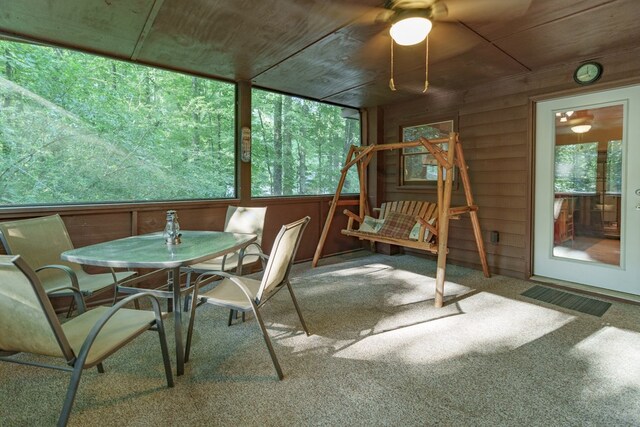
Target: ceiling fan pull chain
x: 426, y: 65
x: 392, y: 86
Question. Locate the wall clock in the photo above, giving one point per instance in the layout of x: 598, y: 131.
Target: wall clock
x: 587, y: 73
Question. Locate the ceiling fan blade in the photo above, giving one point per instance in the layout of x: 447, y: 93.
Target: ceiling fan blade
x: 449, y: 39
x: 340, y: 11
x: 480, y: 10
x: 375, y: 49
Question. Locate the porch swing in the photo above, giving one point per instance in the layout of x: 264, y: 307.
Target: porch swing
x: 418, y: 225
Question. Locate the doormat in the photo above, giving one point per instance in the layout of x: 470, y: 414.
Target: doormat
x: 563, y: 299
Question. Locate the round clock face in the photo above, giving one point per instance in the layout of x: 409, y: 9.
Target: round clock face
x: 587, y: 73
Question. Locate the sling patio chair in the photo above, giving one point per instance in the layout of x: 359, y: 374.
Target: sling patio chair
x: 242, y: 220
x: 238, y: 220
x: 28, y: 324
x: 244, y: 294
x: 40, y: 241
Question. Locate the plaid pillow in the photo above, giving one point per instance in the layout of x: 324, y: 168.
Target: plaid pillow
x: 397, y: 225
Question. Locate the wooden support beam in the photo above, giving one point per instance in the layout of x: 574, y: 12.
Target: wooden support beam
x: 358, y: 158
x: 332, y: 210
x: 345, y: 202
x: 437, y: 152
x: 447, y: 159
x: 462, y: 209
x: 475, y: 222
x: 443, y: 224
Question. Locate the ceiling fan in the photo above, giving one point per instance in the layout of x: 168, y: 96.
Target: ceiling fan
x: 411, y: 21
x: 579, y: 121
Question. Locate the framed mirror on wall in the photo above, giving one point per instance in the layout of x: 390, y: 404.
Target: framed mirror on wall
x: 417, y: 166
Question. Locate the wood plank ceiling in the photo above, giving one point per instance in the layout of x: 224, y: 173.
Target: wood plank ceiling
x: 320, y: 48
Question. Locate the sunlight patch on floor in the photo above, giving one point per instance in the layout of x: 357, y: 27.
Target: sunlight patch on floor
x: 481, y: 324
x: 563, y: 252
x: 611, y: 355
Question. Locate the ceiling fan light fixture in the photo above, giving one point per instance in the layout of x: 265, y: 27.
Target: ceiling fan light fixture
x: 410, y: 31
x: 581, y: 128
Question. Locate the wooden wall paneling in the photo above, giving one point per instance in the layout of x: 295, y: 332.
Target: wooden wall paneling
x: 89, y: 229
x: 505, y: 177
x: 490, y: 141
x: 286, y: 211
x: 477, y: 118
x: 495, y: 122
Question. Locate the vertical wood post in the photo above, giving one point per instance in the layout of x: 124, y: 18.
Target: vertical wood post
x: 332, y: 210
x: 475, y: 222
x: 243, y: 191
x: 443, y: 220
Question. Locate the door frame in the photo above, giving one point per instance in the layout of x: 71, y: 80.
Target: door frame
x: 531, y: 175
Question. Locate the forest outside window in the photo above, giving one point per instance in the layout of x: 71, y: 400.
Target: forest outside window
x: 417, y: 166
x: 78, y: 128
x: 299, y: 146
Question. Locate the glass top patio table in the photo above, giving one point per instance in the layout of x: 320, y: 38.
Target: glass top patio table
x: 151, y: 251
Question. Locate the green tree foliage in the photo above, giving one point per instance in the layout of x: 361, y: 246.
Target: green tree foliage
x: 576, y: 168
x: 77, y: 128
x: 614, y: 167
x: 299, y: 146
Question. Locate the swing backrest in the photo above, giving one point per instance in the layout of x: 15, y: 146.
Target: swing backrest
x: 425, y: 210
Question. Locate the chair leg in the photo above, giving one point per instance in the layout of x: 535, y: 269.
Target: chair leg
x: 100, y: 368
x: 165, y: 353
x: 192, y: 317
x: 71, y: 307
x: 187, y: 300
x: 267, y: 341
x: 71, y: 395
x: 295, y: 303
x: 230, y: 317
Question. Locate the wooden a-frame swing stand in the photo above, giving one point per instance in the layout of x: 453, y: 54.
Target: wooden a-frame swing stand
x: 446, y: 159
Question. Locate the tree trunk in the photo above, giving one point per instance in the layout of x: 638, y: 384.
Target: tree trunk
x: 266, y: 150
x: 8, y: 72
x: 277, y: 146
x: 288, y: 172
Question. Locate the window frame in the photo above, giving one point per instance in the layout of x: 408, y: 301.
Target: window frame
x: 403, y: 183
x: 128, y: 205
x: 305, y: 98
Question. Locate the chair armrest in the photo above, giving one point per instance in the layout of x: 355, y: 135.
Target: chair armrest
x: 224, y: 258
x: 262, y: 256
x: 86, y: 346
x: 425, y: 223
x: 231, y: 277
x: 75, y: 287
x: 260, y: 253
x: 77, y: 296
x: 68, y: 271
x: 352, y: 217
x: 350, y: 214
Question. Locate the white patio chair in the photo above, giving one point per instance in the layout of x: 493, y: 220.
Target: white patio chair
x: 29, y: 324
x: 243, y: 294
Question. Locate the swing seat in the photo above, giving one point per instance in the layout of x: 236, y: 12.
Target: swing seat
x: 398, y: 223
x: 403, y: 217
